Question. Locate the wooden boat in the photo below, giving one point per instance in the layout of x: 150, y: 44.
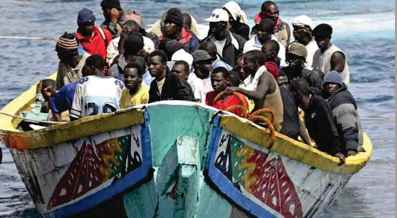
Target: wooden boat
x: 171, y: 159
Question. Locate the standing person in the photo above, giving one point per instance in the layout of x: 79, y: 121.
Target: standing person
x: 344, y: 111
x: 281, y: 29
x: 228, y: 45
x: 318, y: 119
x: 237, y: 19
x: 263, y: 34
x: 166, y: 86
x: 70, y: 62
x: 113, y: 14
x: 93, y: 39
x: 303, y: 34
x: 96, y: 93
x: 200, y: 79
x: 136, y: 92
x: 329, y: 57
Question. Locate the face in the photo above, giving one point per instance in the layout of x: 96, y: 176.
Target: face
x: 71, y: 58
x: 132, y: 80
x: 263, y: 36
x: 156, y: 68
x: 170, y: 30
x: 331, y: 88
x: 180, y: 71
x: 239, y: 68
x: 272, y: 12
x: 219, y: 82
x: 86, y: 29
x: 249, y: 67
x: 219, y: 29
x: 47, y: 92
x: 322, y: 43
x: 203, y: 69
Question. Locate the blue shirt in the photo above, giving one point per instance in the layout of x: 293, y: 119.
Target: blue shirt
x: 63, y: 99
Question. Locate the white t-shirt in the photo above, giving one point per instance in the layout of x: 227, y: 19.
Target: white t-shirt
x: 254, y: 44
x: 311, y: 48
x: 95, y: 95
x: 199, y: 86
x: 219, y: 46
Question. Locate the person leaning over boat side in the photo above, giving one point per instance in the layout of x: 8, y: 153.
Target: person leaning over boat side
x: 296, y: 56
x: 93, y: 39
x: 344, y: 111
x: 229, y: 46
x: 181, y: 70
x: 281, y: 29
x: 263, y: 34
x: 166, y: 86
x: 135, y: 92
x: 200, y: 79
x: 96, y: 93
x: 328, y: 57
x: 220, y: 80
x: 70, y: 62
x: 259, y: 85
x: 237, y: 19
x: 303, y: 34
x: 113, y: 14
x: 318, y: 118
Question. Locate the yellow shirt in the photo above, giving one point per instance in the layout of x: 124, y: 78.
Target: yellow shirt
x: 140, y: 97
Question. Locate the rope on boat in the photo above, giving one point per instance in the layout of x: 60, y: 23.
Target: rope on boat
x: 33, y: 121
x: 263, y: 117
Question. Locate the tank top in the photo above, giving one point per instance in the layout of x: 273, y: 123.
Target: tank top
x: 322, y: 62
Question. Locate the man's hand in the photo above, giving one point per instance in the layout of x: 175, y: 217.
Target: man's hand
x: 351, y: 152
x: 229, y: 90
x: 341, y: 158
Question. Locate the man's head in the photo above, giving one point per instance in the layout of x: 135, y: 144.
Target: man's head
x: 173, y: 23
x: 332, y: 82
x: 133, y: 73
x: 187, y: 21
x: 264, y: 29
x: 302, y: 29
x: 181, y: 70
x: 94, y: 65
x: 270, y: 9
x: 322, y: 35
x: 301, y: 90
x: 270, y: 50
x: 252, y: 60
x: 157, y: 62
x: 131, y: 44
x: 47, y: 88
x: 67, y: 49
x: 111, y: 9
x: 210, y: 47
x: 220, y: 79
x: 202, y: 63
x: 171, y: 46
x: 85, y: 22
x: 219, y: 24
x: 296, y: 58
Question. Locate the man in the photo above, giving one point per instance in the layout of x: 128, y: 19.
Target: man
x: 92, y: 38
x: 318, y: 119
x: 234, y: 102
x: 263, y: 34
x: 344, y: 111
x: 228, y: 45
x: 181, y: 70
x: 96, y: 93
x: 259, y: 85
x: 136, y: 92
x: 166, y: 86
x: 188, y: 38
x: 210, y: 47
x: 296, y: 57
x: 281, y: 29
x: 113, y: 14
x: 303, y: 34
x: 70, y: 62
x: 237, y: 19
x: 47, y: 90
x: 200, y: 79
x: 270, y: 50
x: 329, y: 57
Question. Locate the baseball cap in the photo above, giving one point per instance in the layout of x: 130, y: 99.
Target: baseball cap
x: 297, y: 49
x: 218, y: 15
x: 302, y: 21
x: 85, y: 16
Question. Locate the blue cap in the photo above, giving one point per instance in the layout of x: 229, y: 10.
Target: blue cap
x: 85, y: 16
x: 333, y: 77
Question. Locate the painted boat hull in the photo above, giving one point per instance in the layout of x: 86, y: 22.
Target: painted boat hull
x: 172, y: 159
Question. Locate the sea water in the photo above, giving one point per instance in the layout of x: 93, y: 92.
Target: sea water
x: 363, y: 29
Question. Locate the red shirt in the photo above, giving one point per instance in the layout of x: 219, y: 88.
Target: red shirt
x: 96, y: 43
x: 226, y: 103
x: 273, y: 68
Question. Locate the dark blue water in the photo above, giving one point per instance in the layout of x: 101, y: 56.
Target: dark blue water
x: 364, y: 29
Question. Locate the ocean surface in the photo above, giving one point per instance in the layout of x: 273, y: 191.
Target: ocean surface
x: 363, y: 29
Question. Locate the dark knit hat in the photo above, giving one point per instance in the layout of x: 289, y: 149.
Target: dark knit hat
x: 266, y: 25
x: 174, y: 15
x: 67, y: 42
x: 322, y: 31
x: 85, y: 16
x: 109, y: 4
x: 333, y: 77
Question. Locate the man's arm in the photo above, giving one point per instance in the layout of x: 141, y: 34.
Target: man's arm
x: 338, y: 61
x: 263, y: 88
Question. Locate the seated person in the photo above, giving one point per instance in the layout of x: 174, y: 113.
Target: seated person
x: 135, y: 92
x: 318, y: 118
x: 235, y: 102
x: 96, y: 93
x: 47, y: 89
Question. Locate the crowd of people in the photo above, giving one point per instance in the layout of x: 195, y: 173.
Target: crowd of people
x: 292, y: 70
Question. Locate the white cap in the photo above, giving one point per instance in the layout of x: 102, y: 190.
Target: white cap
x: 236, y: 12
x: 303, y: 20
x: 218, y: 15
